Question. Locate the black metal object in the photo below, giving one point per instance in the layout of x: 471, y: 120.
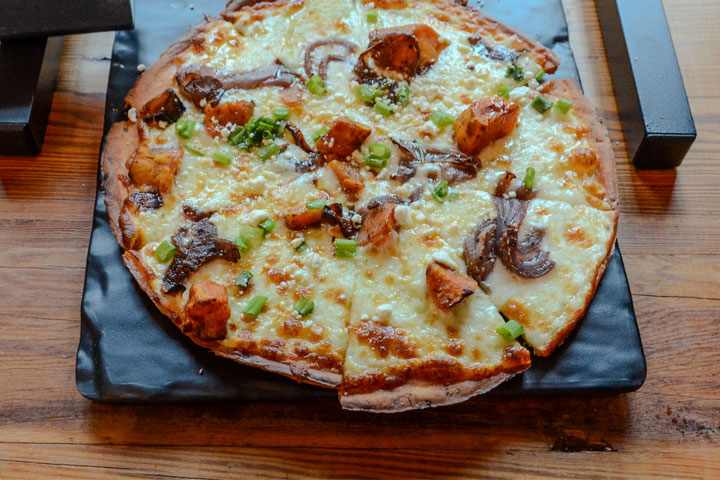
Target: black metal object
x: 658, y: 124
x: 45, y: 18
x: 130, y: 352
x: 28, y: 70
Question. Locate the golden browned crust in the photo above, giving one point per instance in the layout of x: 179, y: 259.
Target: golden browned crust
x: 417, y: 394
x: 598, y: 134
x: 560, y: 337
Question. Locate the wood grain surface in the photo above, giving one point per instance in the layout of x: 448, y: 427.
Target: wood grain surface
x: 669, y: 234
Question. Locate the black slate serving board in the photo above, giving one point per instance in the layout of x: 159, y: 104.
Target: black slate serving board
x: 130, y: 352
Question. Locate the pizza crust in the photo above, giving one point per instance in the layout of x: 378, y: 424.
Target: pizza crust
x: 598, y: 134
x: 416, y: 395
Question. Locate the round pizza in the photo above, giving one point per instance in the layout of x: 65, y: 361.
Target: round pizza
x: 386, y: 198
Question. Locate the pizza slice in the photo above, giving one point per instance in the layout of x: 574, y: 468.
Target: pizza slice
x: 421, y: 333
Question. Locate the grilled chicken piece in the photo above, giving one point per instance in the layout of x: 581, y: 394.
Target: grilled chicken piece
x: 348, y: 175
x: 154, y: 167
x: 447, y: 287
x: 343, y: 138
x: 235, y: 113
x: 207, y: 310
x: 484, y: 122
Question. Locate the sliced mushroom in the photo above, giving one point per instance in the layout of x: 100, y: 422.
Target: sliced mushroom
x: 334, y: 215
x: 479, y: 253
x: 151, y: 200
x: 455, y: 167
x: 200, y: 86
x: 524, y: 258
x: 447, y: 287
x: 298, y: 137
x: 336, y: 50
x: 484, y: 122
x: 342, y: 139
x: 163, y: 110
x: 197, y: 244
x: 497, y: 52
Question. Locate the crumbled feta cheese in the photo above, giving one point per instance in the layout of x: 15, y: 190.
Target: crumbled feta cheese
x: 257, y: 216
x: 255, y: 185
x: 357, y: 219
x: 202, y: 103
x: 296, y: 242
x: 316, y: 261
x: 141, y: 67
x: 364, y: 316
x: 132, y: 115
x: 420, y: 217
x: 443, y: 258
x: 384, y: 311
x: 402, y: 215
x: 162, y: 124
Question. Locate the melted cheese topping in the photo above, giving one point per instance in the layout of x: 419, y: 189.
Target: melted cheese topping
x: 385, y: 287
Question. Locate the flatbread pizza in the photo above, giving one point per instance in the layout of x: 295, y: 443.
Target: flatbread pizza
x: 386, y: 198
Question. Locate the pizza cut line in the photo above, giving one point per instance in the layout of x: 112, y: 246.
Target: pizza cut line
x: 386, y: 198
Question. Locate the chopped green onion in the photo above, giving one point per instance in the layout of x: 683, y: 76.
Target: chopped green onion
x: 541, y: 104
x: 255, y: 306
x: 372, y: 16
x: 383, y: 108
x: 441, y: 118
x: 316, y: 204
x: 249, y: 237
x: 316, y: 85
x: 243, y: 280
x: 540, y: 75
x: 304, y: 306
x: 379, y: 151
x: 165, y: 251
x: 222, y: 157
x: 302, y: 247
x: 185, y: 128
x: 345, y: 248
x: 563, y: 105
x: 510, y: 330
x: 504, y: 91
x: 529, y: 178
x: 194, y: 151
x: 441, y: 191
x: 268, y: 151
x: 453, y: 196
x: 376, y: 163
x: 281, y: 113
x: 403, y: 95
x: 366, y: 93
x: 268, y: 225
x: 319, y: 133
x: 515, y: 72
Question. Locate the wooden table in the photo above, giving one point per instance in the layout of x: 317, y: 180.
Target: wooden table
x: 670, y: 238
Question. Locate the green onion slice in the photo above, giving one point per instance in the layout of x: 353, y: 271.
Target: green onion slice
x: 372, y: 16
x: 442, y: 118
x: 515, y: 72
x: 249, y: 237
x: 441, y: 191
x: 255, y: 306
x: 316, y: 85
x: 529, y: 178
x: 345, y: 248
x: 268, y: 151
x: 563, y: 106
x: 165, y: 251
x: 541, y: 104
x: 243, y: 280
x: 194, y: 151
x: 379, y: 151
x: 366, y: 93
x: 383, y: 108
x: 185, y: 128
x: 540, y: 75
x: 510, y: 330
x: 453, y: 196
x: 376, y: 163
x: 316, y: 204
x: 304, y: 306
x: 504, y: 91
x: 268, y: 225
x: 222, y: 157
x: 303, y: 246
x: 319, y: 133
x: 403, y: 95
x: 281, y: 113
